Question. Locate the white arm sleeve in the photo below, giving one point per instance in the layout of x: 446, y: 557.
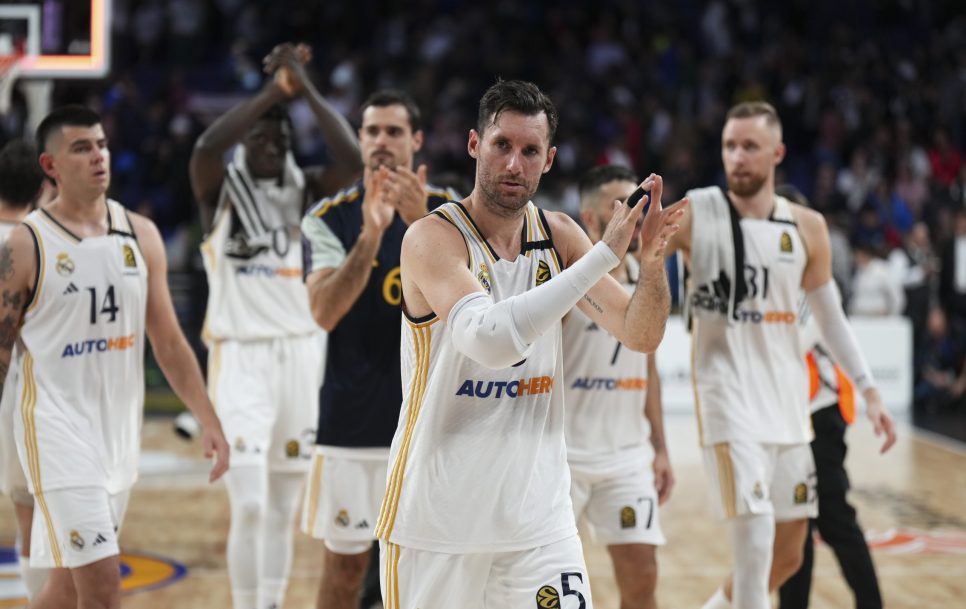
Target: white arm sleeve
x: 498, y: 335
x: 826, y: 306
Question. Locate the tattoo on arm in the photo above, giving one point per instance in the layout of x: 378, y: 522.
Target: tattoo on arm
x: 11, y: 311
x: 6, y: 263
x: 594, y: 304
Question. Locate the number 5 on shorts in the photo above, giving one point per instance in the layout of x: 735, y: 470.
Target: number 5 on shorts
x: 567, y: 591
x: 548, y: 598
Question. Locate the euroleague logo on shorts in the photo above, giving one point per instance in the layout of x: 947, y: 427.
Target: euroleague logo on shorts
x: 497, y: 389
x: 548, y: 598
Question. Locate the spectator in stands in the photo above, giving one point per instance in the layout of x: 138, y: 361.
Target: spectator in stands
x: 941, y: 362
x: 875, y: 291
x: 952, y: 278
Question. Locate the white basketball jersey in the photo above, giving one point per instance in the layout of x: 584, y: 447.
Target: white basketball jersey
x: 478, y: 462
x: 255, y: 291
x: 750, y: 378
x: 605, y: 389
x: 81, y: 387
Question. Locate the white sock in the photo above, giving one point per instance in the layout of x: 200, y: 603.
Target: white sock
x: 246, y: 497
x: 271, y: 593
x: 244, y: 598
x: 717, y: 601
x: 33, y: 577
x: 753, y: 539
x: 278, y: 529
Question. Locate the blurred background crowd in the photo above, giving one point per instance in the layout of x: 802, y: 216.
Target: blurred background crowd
x: 872, y: 94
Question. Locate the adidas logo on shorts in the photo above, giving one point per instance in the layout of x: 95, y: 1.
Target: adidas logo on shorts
x: 99, y: 540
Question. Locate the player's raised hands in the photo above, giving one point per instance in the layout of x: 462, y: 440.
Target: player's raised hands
x: 287, y: 63
x: 659, y: 222
x: 406, y: 192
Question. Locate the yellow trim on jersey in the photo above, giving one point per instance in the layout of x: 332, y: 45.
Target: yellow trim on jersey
x: 694, y: 380
x: 41, y: 259
x: 394, y: 591
x: 315, y: 482
x: 28, y: 408
x: 58, y: 228
x: 442, y: 194
x: 484, y: 247
x: 214, y: 371
x: 726, y: 479
x: 339, y: 200
x: 469, y: 222
x: 422, y: 338
x: 422, y: 324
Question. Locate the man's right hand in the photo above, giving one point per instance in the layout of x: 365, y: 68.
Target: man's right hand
x: 622, y: 224
x: 377, y: 211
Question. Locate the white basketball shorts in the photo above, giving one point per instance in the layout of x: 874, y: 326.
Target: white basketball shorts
x: 73, y: 527
x: 619, y: 506
x: 547, y: 577
x: 756, y: 478
x: 343, y: 496
x: 266, y: 393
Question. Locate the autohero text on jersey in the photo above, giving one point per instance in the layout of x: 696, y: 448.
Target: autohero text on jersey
x: 98, y: 345
x: 497, y: 389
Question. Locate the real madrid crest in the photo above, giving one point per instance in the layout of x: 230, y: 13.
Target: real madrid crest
x: 484, y: 277
x: 65, y: 266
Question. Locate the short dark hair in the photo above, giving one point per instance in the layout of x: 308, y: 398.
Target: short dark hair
x: 20, y: 173
x: 604, y: 174
x: 751, y: 109
x: 792, y: 194
x: 395, y: 97
x: 517, y: 96
x: 278, y: 113
x: 65, y: 116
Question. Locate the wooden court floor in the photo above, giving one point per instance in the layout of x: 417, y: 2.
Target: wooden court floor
x: 911, y: 501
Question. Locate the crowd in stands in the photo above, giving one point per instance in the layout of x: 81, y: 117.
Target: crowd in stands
x: 872, y: 95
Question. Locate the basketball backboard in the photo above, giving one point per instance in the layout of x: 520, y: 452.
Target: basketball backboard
x: 57, y: 38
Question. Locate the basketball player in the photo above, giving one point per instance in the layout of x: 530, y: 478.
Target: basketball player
x: 832, y: 404
x: 83, y: 282
x: 21, y: 184
x: 619, y: 466
x: 352, y: 265
x: 750, y: 254
x: 265, y: 350
x: 477, y: 512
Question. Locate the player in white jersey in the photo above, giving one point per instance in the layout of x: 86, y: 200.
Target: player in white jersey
x: 22, y: 184
x: 477, y: 511
x: 619, y: 465
x: 83, y: 283
x: 750, y: 253
x: 265, y: 350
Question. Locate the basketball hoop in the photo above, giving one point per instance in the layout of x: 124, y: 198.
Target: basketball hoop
x: 9, y: 71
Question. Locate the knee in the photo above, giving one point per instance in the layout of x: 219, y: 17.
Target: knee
x: 345, y: 570
x: 246, y: 511
x: 788, y: 560
x: 636, y: 578
x: 643, y: 586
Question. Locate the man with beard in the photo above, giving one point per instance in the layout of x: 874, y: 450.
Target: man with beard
x: 618, y: 459
x: 352, y: 243
x: 265, y: 349
x: 750, y: 255
x: 477, y: 512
